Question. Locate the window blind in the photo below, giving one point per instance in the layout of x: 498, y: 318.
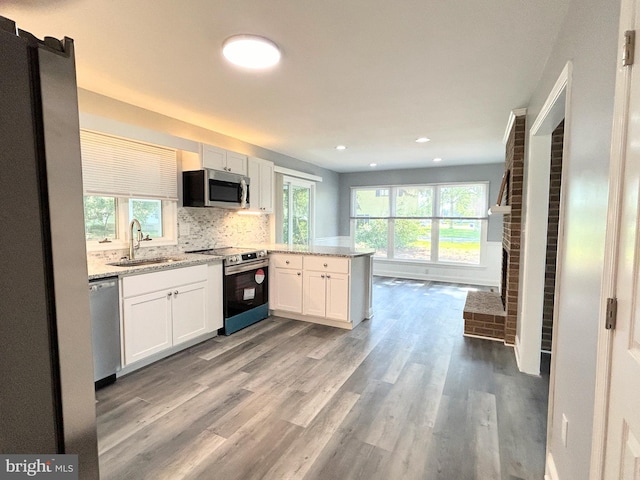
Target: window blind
x: 118, y: 167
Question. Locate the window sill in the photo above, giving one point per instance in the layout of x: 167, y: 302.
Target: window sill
x: 119, y: 245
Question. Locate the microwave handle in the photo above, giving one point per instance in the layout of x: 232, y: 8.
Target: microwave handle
x: 243, y: 194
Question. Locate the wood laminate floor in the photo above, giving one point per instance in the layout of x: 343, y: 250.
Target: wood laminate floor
x: 402, y: 396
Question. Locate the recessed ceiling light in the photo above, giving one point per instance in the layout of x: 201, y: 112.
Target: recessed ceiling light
x: 423, y: 140
x: 341, y: 147
x: 373, y: 164
x: 251, y: 51
x: 437, y: 159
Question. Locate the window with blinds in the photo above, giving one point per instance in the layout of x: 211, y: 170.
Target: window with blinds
x: 125, y: 168
x: 124, y: 179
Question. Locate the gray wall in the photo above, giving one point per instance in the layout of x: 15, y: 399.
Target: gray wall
x: 589, y: 40
x: 473, y: 173
x: 326, y: 191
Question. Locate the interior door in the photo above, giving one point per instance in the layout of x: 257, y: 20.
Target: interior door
x: 622, y: 455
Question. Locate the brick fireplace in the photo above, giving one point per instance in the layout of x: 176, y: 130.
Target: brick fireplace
x: 512, y: 225
x: 490, y: 314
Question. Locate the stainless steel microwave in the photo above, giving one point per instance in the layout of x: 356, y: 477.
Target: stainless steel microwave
x: 212, y: 188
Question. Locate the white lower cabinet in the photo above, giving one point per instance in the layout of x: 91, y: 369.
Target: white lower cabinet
x: 285, y: 282
x: 164, y: 309
x: 147, y: 325
x: 337, y: 293
x: 288, y: 294
x: 326, y: 295
x: 189, y: 311
x: 318, y: 288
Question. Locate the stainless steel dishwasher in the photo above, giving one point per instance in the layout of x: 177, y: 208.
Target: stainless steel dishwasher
x: 105, y: 329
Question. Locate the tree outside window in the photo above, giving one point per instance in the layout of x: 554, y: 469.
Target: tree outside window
x: 403, y: 223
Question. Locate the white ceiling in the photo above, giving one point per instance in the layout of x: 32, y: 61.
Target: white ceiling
x: 370, y: 74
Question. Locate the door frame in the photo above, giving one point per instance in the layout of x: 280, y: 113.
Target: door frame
x: 610, y: 270
x: 535, y: 215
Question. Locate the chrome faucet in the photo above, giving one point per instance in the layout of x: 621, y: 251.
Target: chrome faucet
x: 133, y: 248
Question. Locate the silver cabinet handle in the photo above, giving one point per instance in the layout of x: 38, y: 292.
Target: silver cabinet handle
x: 169, y: 295
x: 325, y: 264
x: 287, y: 262
x: 321, y: 276
x: 328, y: 276
x: 299, y: 274
x: 175, y: 293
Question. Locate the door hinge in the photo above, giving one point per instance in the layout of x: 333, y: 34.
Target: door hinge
x: 629, y: 47
x: 612, y: 313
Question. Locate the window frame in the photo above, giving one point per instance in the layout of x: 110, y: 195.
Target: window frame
x: 294, y: 181
x: 435, y: 219
x: 169, y: 225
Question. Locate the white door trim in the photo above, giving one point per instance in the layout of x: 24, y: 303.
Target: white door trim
x: 535, y: 217
x: 610, y: 271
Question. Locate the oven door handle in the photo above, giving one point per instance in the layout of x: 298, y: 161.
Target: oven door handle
x: 245, y: 267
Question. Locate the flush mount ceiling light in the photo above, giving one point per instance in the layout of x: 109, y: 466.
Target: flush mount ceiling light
x: 423, y: 140
x: 341, y: 147
x: 437, y: 159
x: 251, y: 51
x: 373, y: 165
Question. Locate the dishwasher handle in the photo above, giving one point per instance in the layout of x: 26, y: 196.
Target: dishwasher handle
x: 95, y: 286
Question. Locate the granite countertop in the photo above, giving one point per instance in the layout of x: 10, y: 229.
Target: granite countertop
x: 318, y: 250
x: 100, y: 269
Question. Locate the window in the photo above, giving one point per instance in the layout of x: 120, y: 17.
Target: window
x: 297, y: 211
x: 435, y: 223
x: 122, y: 180
x: 100, y: 218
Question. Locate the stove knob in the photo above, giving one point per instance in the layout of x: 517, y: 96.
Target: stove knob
x: 261, y: 254
x: 236, y: 259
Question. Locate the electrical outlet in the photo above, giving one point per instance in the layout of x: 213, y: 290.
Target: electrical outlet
x: 565, y: 427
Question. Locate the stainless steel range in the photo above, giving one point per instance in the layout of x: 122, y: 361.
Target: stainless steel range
x: 246, y: 286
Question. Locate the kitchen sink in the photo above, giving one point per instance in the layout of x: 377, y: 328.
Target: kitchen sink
x: 145, y: 261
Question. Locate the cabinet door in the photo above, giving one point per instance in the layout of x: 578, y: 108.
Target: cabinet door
x: 337, y: 296
x: 146, y: 325
x: 287, y: 291
x: 261, y: 175
x: 266, y: 187
x: 314, y: 294
x: 214, y: 157
x: 236, y: 163
x: 255, y: 188
x: 189, y: 311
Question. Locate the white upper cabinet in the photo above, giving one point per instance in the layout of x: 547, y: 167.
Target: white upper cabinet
x: 261, y: 174
x: 215, y: 158
x: 236, y: 163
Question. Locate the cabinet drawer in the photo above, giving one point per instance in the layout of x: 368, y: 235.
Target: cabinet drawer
x: 327, y: 264
x: 280, y: 260
x: 152, y: 282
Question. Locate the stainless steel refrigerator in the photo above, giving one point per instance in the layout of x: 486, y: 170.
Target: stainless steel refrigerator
x: 47, y: 401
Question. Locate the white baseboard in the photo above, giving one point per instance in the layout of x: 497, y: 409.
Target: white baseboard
x: 551, y: 472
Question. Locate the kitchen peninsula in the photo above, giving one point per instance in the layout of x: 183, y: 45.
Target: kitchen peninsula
x: 321, y: 284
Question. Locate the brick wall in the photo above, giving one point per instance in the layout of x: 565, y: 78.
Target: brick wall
x: 514, y: 162
x: 555, y: 176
